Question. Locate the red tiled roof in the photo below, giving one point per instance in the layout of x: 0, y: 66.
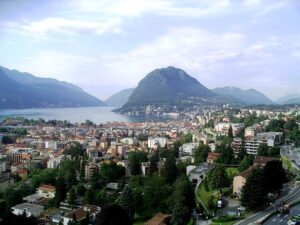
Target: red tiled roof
x: 47, y: 187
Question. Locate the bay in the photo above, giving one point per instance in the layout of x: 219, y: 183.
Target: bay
x: 95, y: 114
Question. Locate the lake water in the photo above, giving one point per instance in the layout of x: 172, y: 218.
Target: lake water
x: 95, y: 114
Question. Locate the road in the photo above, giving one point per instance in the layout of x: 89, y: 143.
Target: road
x: 283, y: 219
x: 292, y: 197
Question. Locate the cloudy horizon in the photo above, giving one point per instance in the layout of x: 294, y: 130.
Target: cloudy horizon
x: 106, y: 46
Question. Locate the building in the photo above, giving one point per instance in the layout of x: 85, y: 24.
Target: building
x: 236, y: 145
x: 22, y: 173
x: 212, y: 157
x: 46, y: 191
x: 240, y: 180
x: 81, y: 213
x: 90, y: 169
x: 129, y: 141
x: 157, y: 142
x: 15, y: 166
x: 197, y: 173
x: 222, y: 128
x: 270, y: 138
x: 261, y: 161
x: 145, y: 168
x: 54, y: 162
x: 3, y: 165
x: 189, y: 148
x: 28, y: 209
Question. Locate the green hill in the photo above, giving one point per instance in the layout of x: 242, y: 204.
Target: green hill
x: 22, y: 90
x: 120, y: 98
x: 249, y: 97
x: 169, y: 86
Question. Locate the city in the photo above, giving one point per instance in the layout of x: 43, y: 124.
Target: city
x: 149, y: 112
x: 56, y: 172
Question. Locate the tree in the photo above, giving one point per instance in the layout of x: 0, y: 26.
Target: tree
x: 274, y: 176
x: 201, y: 153
x: 6, y: 140
x: 134, y: 161
x: 230, y: 132
x: 60, y: 191
x: 170, y: 169
x: 245, y: 163
x: 112, y: 172
x: 71, y: 197
x: 274, y: 151
x: 126, y: 201
x: 263, y: 150
x: 183, y: 201
x: 253, y: 194
x: 154, y: 159
x: 218, y: 178
x: 113, y: 215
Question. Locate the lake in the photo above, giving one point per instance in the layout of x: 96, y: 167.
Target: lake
x: 95, y: 114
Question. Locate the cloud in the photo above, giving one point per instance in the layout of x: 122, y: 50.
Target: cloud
x: 65, y: 26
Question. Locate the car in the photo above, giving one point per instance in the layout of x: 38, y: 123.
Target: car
x: 293, y: 222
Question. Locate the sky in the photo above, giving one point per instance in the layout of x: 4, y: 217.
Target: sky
x: 105, y: 46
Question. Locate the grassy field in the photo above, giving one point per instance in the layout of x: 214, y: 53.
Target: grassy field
x: 206, y: 195
x: 232, y: 171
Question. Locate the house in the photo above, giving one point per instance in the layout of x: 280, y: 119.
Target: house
x: 145, y: 166
x: 27, y: 208
x: 240, y: 180
x: 158, y: 219
x: 81, y: 213
x: 261, y: 161
x: 22, y: 173
x: 46, y: 191
x: 197, y: 173
x: 15, y: 166
x: 212, y: 157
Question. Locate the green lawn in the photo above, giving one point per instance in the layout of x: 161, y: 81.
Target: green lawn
x: 232, y: 171
x: 205, y: 195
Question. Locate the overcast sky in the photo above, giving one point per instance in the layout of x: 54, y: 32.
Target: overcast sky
x: 108, y: 45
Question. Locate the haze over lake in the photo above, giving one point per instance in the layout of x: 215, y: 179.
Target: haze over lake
x: 95, y: 114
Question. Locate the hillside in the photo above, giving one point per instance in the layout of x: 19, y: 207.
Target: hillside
x: 289, y: 99
x: 120, y: 98
x: 249, y: 97
x: 22, y: 90
x: 167, y: 86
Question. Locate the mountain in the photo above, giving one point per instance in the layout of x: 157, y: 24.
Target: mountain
x: 289, y: 99
x: 22, y: 90
x: 167, y: 86
x: 120, y: 98
x: 249, y: 97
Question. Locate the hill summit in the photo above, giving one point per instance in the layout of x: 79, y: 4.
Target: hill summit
x: 167, y: 86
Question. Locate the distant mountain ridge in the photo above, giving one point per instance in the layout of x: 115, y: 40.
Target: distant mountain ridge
x: 248, y: 97
x: 289, y: 99
x: 167, y: 86
x: 120, y: 98
x: 20, y: 90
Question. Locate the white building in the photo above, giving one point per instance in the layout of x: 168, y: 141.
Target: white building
x: 222, y: 128
x: 189, y: 148
x: 46, y: 191
x: 54, y: 162
x: 269, y: 138
x: 129, y: 141
x: 145, y: 168
x: 157, y: 142
x: 3, y: 165
x: 27, y: 208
